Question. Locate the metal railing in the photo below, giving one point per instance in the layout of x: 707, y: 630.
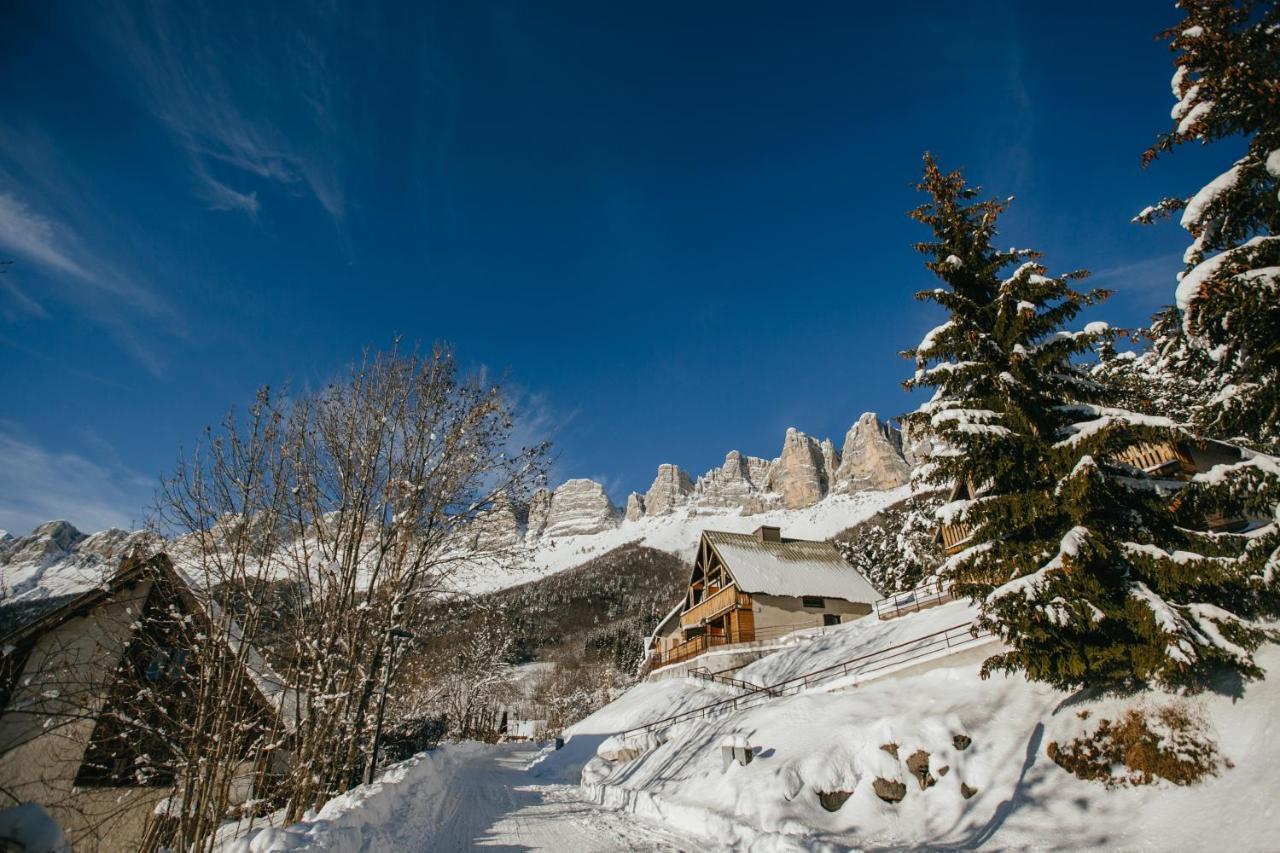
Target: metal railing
x: 717, y: 678
x: 955, y: 637
x: 914, y: 600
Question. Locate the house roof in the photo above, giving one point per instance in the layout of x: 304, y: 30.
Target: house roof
x: 674, y: 614
x: 280, y: 698
x: 791, y: 567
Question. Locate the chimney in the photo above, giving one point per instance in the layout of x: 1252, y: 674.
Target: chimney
x: 765, y: 533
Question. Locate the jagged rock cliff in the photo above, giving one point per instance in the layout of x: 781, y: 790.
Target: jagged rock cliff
x: 872, y: 457
x: 799, y: 475
x: 806, y: 471
x: 579, y: 507
x: 740, y: 482
x: 671, y: 488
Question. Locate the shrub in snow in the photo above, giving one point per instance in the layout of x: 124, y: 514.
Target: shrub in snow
x: 1090, y: 569
x: 1170, y: 743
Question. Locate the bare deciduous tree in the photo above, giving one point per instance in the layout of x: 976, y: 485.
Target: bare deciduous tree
x: 316, y: 525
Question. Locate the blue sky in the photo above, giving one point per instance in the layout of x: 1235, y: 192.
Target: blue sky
x: 677, y: 228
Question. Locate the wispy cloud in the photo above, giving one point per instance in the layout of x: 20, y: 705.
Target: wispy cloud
x: 1151, y: 275
x: 38, y: 485
x: 75, y: 274
x: 248, y: 98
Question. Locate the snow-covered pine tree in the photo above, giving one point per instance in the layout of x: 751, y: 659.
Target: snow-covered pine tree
x: 1076, y: 558
x: 1227, y: 82
x: 1166, y: 377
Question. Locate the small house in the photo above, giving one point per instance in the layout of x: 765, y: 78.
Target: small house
x: 747, y: 587
x: 95, y: 693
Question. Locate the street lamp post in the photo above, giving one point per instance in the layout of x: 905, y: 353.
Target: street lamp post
x: 397, y: 634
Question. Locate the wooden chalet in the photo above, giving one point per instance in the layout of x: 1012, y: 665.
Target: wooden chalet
x: 1172, y: 460
x: 124, y: 651
x: 747, y: 587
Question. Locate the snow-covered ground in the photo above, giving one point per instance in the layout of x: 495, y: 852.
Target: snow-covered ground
x: 678, y: 533
x: 462, y: 797
x: 833, y: 741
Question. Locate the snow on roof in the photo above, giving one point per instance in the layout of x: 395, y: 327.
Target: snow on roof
x: 674, y: 613
x: 792, y: 567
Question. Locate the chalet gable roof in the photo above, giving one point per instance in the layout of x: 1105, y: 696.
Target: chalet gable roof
x: 282, y: 699
x: 790, y: 567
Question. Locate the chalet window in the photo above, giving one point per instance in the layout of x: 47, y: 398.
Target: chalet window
x: 165, y: 664
x: 813, y: 601
x: 829, y: 619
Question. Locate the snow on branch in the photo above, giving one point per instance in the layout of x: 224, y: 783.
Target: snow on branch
x: 1028, y: 585
x: 1103, y: 417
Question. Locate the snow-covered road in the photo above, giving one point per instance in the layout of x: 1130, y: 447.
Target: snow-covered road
x: 490, y: 802
x: 464, y: 796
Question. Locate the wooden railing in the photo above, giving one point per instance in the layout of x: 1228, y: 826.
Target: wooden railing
x: 923, y: 597
x: 713, y: 605
x: 956, y: 637
x: 955, y: 535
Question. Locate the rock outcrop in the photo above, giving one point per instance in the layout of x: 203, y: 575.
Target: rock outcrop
x: 635, y: 507
x: 798, y: 475
x: 536, y: 516
x: 500, y: 527
x: 671, y: 488
x: 872, y: 457
x: 579, y: 507
x: 740, y: 482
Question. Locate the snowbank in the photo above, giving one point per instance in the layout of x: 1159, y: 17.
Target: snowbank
x: 367, y: 816
x: 979, y: 746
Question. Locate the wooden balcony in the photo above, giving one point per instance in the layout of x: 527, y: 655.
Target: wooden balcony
x: 714, y: 605
x: 1161, y: 457
x: 955, y: 536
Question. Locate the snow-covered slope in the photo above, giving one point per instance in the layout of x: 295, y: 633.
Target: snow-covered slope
x: 824, y: 742
x: 56, y: 559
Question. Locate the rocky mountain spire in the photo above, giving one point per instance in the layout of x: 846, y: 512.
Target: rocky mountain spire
x: 671, y: 488
x: 872, y: 457
x: 799, y: 474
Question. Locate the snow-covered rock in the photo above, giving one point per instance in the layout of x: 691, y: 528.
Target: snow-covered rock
x: 580, y: 507
x: 872, y: 457
x: 740, y: 482
x: 635, y: 507
x: 57, y: 559
x: 671, y: 488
